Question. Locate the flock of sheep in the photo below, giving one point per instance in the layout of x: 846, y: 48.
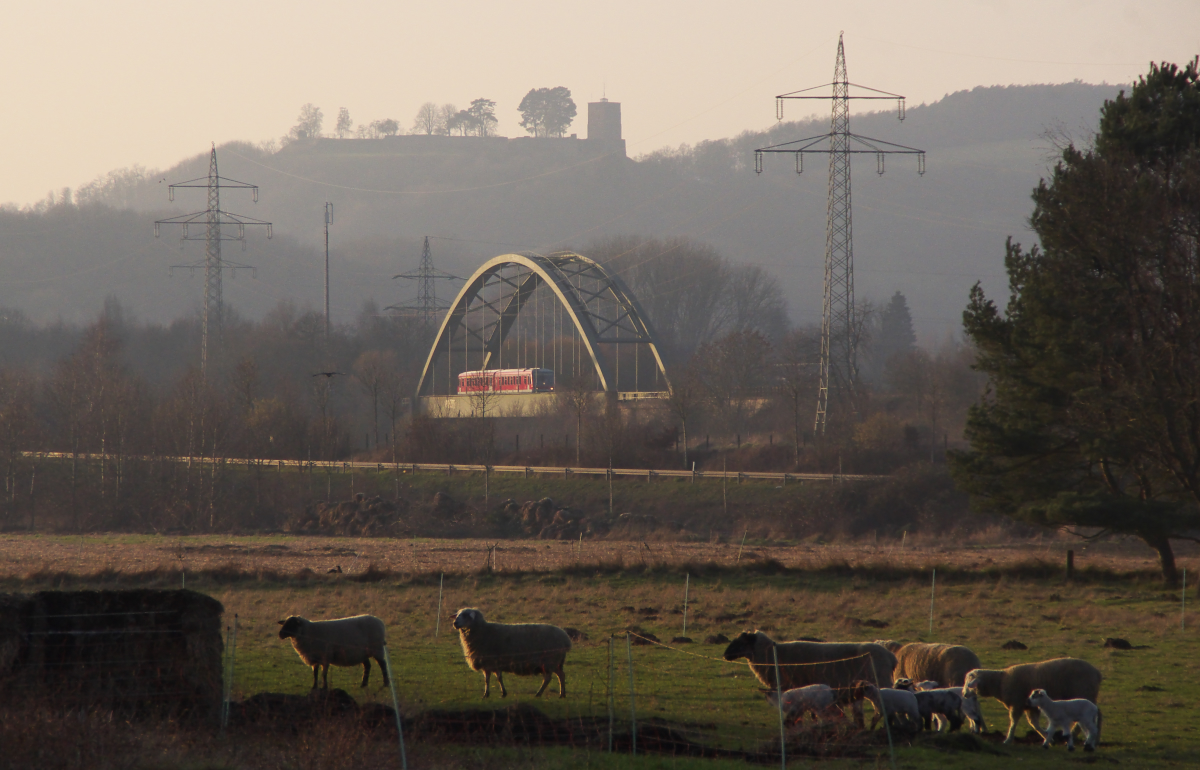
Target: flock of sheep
x: 928, y: 684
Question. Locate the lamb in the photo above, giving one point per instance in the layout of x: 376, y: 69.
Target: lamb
x: 901, y: 707
x: 838, y: 665
x: 524, y: 649
x: 342, y: 642
x: 1064, y: 715
x: 944, y: 663
x: 1061, y: 678
x: 945, y: 703
x: 815, y: 698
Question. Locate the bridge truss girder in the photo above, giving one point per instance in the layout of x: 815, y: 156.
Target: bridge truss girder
x: 598, y: 304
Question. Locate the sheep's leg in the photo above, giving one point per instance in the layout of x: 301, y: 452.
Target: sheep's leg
x: 1014, y: 715
x: 500, y: 681
x: 562, y: 681
x: 487, y: 683
x: 384, y: 670
x: 547, y: 675
x: 366, y: 671
x: 315, y: 669
x: 326, y: 677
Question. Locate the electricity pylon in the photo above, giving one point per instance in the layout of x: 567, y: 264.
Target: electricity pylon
x: 213, y: 219
x: 427, y: 305
x: 839, y: 330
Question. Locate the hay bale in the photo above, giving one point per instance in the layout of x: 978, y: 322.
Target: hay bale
x: 139, y: 650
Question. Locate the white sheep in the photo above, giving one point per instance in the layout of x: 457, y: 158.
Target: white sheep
x: 798, y: 701
x: 1062, y: 678
x: 524, y: 649
x: 342, y: 642
x: 1064, y: 715
x: 903, y: 712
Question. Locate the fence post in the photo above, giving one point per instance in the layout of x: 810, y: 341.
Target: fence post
x: 687, y: 579
x: 611, y: 694
x: 632, y: 699
x: 779, y: 694
x: 932, y: 592
x: 1070, y: 565
x: 1183, y: 601
x: 437, y: 626
x: 740, y: 547
x: 883, y: 709
x: 228, y: 675
x: 395, y: 706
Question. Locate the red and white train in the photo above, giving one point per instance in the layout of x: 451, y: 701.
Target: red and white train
x: 507, y: 381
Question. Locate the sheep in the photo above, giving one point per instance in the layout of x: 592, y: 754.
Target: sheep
x: 838, y: 665
x: 943, y: 704
x: 524, y: 649
x: 342, y: 642
x: 971, y: 710
x: 944, y: 663
x: 1061, y: 678
x: 1064, y: 715
x: 901, y: 707
x: 815, y: 698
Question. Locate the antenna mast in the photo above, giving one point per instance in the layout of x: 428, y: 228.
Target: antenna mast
x: 839, y: 329
x: 427, y: 306
x: 214, y: 219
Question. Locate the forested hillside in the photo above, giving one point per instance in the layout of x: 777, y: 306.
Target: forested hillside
x: 930, y: 237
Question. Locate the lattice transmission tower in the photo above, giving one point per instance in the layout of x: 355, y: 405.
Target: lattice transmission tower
x: 214, y: 221
x: 839, y: 327
x: 427, y: 306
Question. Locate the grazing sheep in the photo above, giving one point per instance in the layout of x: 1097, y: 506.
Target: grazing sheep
x: 945, y: 663
x: 838, y: 665
x: 928, y: 684
x: 524, y: 649
x: 1061, y: 678
x: 815, y: 698
x: 972, y: 711
x: 342, y: 642
x: 944, y: 703
x: 903, y: 712
x: 1064, y: 715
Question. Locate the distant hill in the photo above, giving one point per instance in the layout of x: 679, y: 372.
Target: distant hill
x: 930, y: 237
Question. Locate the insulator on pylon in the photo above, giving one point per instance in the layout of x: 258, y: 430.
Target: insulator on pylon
x: 254, y: 190
x: 921, y: 164
x: 757, y: 162
x: 900, y: 108
x: 171, y: 193
x: 241, y: 232
x: 879, y: 163
x: 799, y: 163
x: 268, y: 231
x: 156, y: 229
x: 779, y: 108
x: 185, y: 231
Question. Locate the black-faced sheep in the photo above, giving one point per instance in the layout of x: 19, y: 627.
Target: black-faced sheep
x: 342, y: 642
x: 838, y: 665
x: 1064, y: 715
x: 944, y: 663
x: 524, y: 649
x: 1061, y: 678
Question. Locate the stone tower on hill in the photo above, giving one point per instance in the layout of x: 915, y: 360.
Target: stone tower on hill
x: 604, y: 124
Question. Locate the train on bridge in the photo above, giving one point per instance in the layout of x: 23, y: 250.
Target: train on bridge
x: 507, y: 381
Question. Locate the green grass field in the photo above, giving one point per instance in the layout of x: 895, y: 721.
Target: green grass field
x: 1148, y: 719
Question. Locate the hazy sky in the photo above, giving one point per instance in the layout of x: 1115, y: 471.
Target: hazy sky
x: 91, y: 86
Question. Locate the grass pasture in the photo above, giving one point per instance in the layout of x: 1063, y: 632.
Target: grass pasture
x: 985, y: 597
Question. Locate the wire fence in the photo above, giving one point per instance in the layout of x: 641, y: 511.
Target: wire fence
x: 625, y: 693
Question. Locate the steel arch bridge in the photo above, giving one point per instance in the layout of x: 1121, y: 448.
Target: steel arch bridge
x: 560, y: 311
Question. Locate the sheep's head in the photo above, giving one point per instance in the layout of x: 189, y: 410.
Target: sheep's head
x: 1037, y: 698
x: 742, y: 646
x: 904, y: 683
x: 467, y: 618
x: 971, y: 681
x: 971, y: 710
x: 291, y: 627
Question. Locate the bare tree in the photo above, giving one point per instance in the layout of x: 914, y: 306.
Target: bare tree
x: 575, y: 396
x: 445, y: 113
x: 344, y: 123
x: 371, y: 371
x: 429, y: 120
x: 685, y: 400
x: 798, y: 371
